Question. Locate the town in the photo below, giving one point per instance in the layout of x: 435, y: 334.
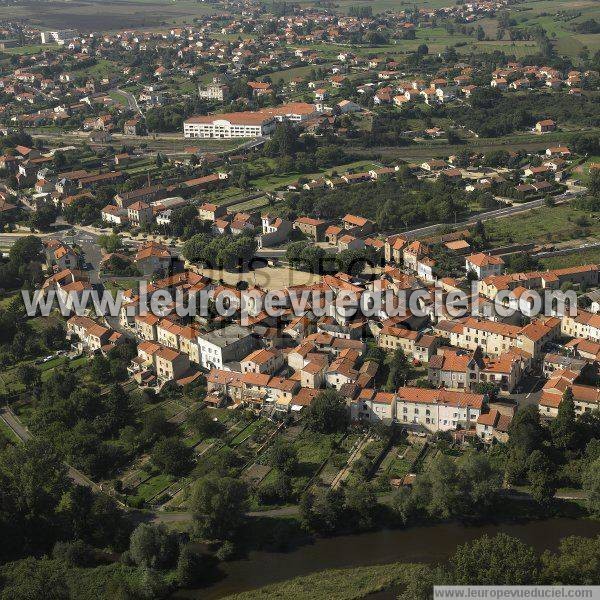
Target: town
x: 441, y: 159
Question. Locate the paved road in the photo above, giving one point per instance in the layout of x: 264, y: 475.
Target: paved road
x: 131, y: 101
x: 12, y: 421
x: 492, y: 214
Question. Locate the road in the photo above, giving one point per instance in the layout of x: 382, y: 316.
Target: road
x: 131, y: 101
x: 492, y: 214
x: 12, y: 421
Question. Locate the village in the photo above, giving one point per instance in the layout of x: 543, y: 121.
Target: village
x: 387, y: 222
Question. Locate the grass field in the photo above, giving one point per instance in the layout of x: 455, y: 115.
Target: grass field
x: 543, y: 225
x: 581, y: 257
x: 342, y: 584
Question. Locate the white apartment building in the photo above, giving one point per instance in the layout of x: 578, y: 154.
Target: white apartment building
x: 229, y: 125
x: 232, y: 343
x: 484, y: 265
x: 249, y: 124
x: 213, y: 91
x: 437, y: 410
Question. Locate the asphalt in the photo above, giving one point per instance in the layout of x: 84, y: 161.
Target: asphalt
x: 12, y: 421
x: 492, y: 214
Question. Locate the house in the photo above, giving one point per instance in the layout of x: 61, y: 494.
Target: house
x: 545, y: 126
x: 218, y: 347
x: 373, y: 406
x: 434, y: 165
x: 133, y: 127
x: 313, y: 228
x: 492, y: 426
x: 211, y: 212
x: 146, y: 195
x: 484, y: 265
x: 412, y: 253
x: 91, y: 335
x: 349, y: 242
x: 263, y: 361
x: 139, y: 214
x: 152, y: 257
x: 585, y: 397
x: 275, y: 230
x: 366, y: 226
x: 437, y: 410
x: 170, y: 364
x: 115, y: 215
x: 413, y: 343
x: 145, y: 326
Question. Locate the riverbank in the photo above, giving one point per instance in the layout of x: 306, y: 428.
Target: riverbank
x: 419, y: 544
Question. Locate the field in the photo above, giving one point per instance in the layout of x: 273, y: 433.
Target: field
x: 544, y: 225
x: 343, y: 584
x: 107, y: 15
x: 270, y: 278
x: 581, y: 257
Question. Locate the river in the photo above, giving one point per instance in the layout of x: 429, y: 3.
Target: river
x: 415, y: 544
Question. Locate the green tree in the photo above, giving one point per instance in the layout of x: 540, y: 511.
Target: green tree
x: 525, y: 431
x: 577, y: 562
x: 361, y: 503
x: 284, y: 457
x: 328, y: 412
x: 564, y: 429
x: 219, y: 505
x: 111, y: 243
x: 172, y: 456
x: 498, y: 560
x: 32, y: 579
x: 399, y: 370
x: 540, y: 472
x: 591, y: 485
x: 153, y: 547
x: 33, y: 479
x: 191, y: 568
x: 205, y: 425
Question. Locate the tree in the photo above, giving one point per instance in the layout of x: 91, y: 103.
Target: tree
x: 153, y: 547
x: 564, y: 429
x: 525, y: 431
x: 191, y: 568
x: 26, y: 249
x: 42, y: 218
x: 32, y: 579
x: 172, y: 456
x: 361, y: 502
x: 205, y: 425
x: 284, y: 457
x: 219, y: 505
x: 100, y: 368
x: 155, y: 425
x: 75, y: 554
x: 399, y: 370
x: 540, y: 472
x: 328, y: 412
x: 480, y: 483
x: 577, y: 562
x: 591, y: 485
x: 29, y: 375
x: 111, y: 243
x: 498, y: 560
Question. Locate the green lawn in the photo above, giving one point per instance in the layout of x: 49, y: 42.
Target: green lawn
x: 150, y: 488
x: 8, y: 433
x: 581, y: 257
x: 542, y: 225
x: 342, y: 584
